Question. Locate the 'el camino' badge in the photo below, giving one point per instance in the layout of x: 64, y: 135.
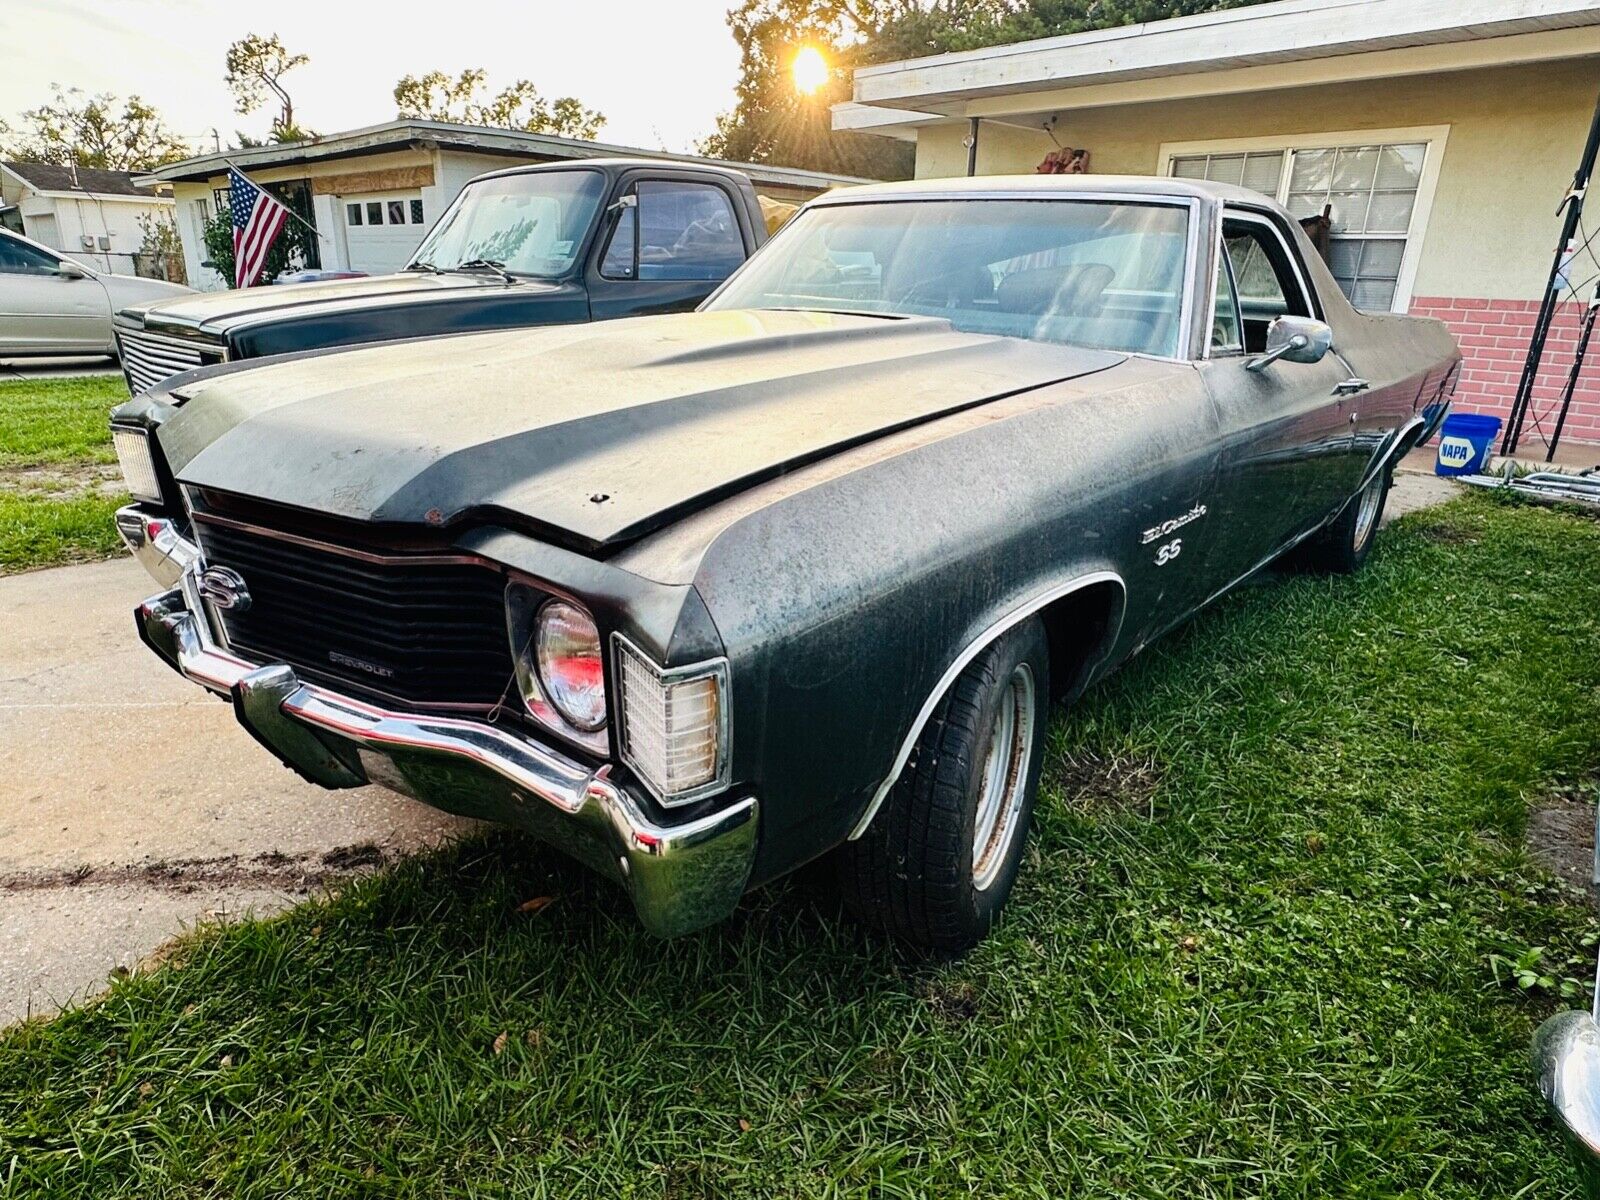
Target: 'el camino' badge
x: 1168, y: 528
x: 225, y: 589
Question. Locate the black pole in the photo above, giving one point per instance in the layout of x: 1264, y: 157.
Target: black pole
x: 1541, y: 328
x: 972, y: 146
x: 1577, y: 369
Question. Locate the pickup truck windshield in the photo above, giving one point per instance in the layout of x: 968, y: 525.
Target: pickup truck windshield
x: 1108, y: 275
x: 532, y: 224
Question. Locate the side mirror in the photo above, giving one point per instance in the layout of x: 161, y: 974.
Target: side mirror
x: 621, y: 203
x: 1296, y: 340
x: 68, y: 269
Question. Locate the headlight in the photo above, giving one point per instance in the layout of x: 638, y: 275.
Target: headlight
x: 674, y: 724
x: 567, y: 656
x: 138, y: 467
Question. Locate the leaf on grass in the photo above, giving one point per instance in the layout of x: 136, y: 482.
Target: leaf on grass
x: 744, y: 1126
x: 534, y: 905
x: 500, y: 1044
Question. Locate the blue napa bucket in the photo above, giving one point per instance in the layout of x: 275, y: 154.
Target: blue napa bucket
x: 1465, y: 442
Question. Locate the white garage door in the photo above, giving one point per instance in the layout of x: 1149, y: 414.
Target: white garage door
x: 383, y: 229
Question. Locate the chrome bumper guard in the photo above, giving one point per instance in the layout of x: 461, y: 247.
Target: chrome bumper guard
x: 156, y: 543
x: 680, y: 877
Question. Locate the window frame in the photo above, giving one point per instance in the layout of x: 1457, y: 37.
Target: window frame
x: 633, y: 212
x: 1433, y: 137
x: 1310, y: 300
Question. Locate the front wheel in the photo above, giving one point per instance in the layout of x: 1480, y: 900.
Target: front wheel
x: 1344, y: 546
x: 938, y: 861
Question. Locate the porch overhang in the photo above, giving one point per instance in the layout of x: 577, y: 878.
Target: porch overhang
x: 1288, y: 44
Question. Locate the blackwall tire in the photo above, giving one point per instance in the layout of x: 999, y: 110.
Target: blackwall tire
x: 1344, y: 546
x: 938, y: 862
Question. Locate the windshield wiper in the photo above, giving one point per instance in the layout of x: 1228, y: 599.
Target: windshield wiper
x: 422, y: 266
x: 486, y: 264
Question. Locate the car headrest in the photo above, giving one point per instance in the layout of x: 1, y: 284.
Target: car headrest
x: 1073, y: 290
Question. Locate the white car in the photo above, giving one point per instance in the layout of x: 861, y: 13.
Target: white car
x: 51, y: 304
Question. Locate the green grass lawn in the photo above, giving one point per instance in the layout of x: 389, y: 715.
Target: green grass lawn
x: 1261, y: 948
x: 56, y: 504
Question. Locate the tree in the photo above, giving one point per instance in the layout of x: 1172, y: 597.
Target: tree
x: 93, y: 131
x: 770, y: 122
x: 162, y: 247
x: 437, y: 97
x: 256, y: 67
x: 283, y: 255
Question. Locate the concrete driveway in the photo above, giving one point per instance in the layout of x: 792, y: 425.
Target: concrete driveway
x: 131, y: 803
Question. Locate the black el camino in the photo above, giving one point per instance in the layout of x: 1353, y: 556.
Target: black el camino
x: 703, y: 597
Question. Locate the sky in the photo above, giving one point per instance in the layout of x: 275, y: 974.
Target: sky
x: 660, y: 70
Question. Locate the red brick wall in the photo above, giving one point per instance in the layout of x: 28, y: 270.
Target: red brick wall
x: 1494, y: 345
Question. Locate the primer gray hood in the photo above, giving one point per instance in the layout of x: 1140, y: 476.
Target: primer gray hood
x: 602, y: 432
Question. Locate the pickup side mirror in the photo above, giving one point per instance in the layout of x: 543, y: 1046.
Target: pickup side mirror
x: 68, y: 269
x: 1296, y: 340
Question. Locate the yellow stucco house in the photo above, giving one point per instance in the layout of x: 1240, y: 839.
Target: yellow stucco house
x: 1440, y: 135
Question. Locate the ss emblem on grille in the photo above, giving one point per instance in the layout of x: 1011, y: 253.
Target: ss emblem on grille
x: 225, y: 589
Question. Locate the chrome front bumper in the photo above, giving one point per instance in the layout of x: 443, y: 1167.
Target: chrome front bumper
x: 679, y: 876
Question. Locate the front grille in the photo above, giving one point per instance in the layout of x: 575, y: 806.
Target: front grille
x: 150, y: 358
x: 424, y: 632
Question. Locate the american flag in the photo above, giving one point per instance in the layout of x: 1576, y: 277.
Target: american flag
x: 257, y: 221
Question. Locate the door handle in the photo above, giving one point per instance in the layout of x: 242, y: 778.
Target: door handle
x: 1351, y: 387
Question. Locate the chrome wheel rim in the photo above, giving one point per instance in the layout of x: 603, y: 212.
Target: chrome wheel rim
x: 1367, y: 512
x: 1004, y: 780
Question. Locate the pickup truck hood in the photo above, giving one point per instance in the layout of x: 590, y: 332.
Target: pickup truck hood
x: 597, y: 433
x: 215, y: 312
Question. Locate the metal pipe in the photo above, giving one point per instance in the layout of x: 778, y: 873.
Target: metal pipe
x: 1573, y: 205
x: 1572, y: 379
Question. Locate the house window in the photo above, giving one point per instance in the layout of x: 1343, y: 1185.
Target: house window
x: 416, y: 212
x: 374, y: 212
x: 352, y: 214
x: 1371, y: 192
x: 397, y: 212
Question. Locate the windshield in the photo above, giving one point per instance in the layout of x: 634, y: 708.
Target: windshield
x: 1103, y: 274
x: 533, y: 224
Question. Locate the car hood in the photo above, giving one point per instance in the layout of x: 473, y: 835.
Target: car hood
x: 595, y: 433
x: 216, y: 312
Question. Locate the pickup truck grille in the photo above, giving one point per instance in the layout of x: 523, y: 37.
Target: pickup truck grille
x: 426, y: 630
x: 150, y: 358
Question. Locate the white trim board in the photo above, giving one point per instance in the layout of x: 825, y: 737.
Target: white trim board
x: 1436, y: 137
x: 1280, y: 32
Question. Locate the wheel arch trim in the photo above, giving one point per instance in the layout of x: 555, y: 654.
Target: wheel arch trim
x: 1011, y: 618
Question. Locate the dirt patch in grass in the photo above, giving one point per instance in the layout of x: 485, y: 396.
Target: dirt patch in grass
x: 1091, y: 783
x: 62, y: 481
x: 1561, y: 836
x: 1448, y: 535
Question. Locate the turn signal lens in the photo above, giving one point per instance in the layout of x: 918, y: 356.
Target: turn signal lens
x: 567, y: 654
x: 138, y: 467
x: 674, y: 724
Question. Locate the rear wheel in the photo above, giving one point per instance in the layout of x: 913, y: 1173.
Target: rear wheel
x: 938, y: 861
x: 1344, y: 546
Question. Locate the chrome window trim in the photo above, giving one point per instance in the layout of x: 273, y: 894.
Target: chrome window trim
x: 971, y: 651
x: 716, y: 667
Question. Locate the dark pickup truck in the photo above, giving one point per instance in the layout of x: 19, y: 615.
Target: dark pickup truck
x: 551, y: 244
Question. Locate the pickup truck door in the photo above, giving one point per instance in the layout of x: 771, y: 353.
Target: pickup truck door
x: 1287, y: 434
x: 43, y: 311
x: 665, y: 244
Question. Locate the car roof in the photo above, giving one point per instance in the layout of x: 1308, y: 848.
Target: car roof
x: 612, y: 166
x: 1154, y: 186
